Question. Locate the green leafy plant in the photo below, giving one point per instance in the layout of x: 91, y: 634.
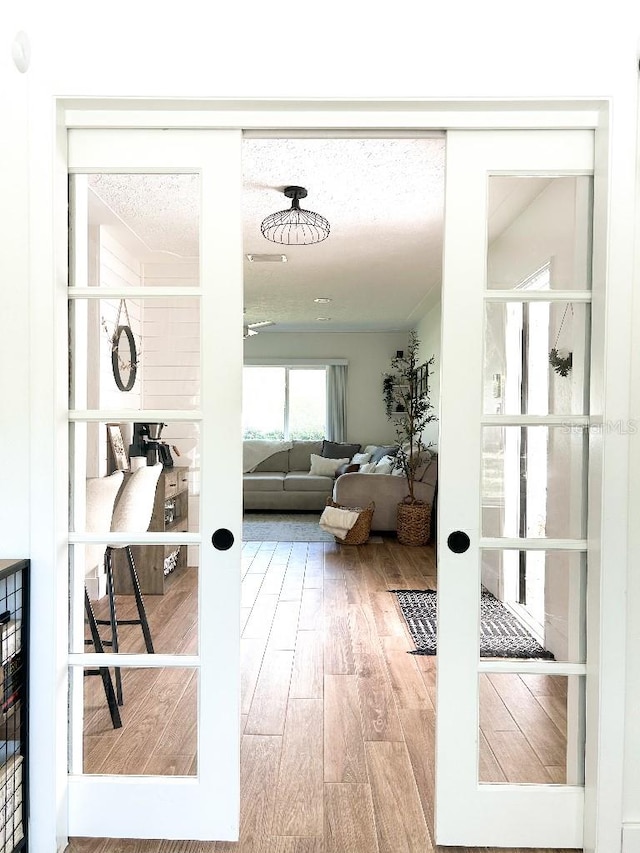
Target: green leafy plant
x: 561, y: 360
x: 405, y: 391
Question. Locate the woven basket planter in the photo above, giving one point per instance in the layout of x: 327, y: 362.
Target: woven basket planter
x: 414, y: 523
x: 359, y: 533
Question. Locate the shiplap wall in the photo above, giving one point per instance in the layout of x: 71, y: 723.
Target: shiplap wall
x: 117, y: 267
x: 172, y: 377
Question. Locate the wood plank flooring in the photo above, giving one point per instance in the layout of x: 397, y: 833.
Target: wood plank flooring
x: 337, y: 754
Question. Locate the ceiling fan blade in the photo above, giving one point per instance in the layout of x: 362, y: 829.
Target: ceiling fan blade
x: 260, y: 324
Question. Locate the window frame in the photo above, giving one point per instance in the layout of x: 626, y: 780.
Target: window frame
x: 288, y: 366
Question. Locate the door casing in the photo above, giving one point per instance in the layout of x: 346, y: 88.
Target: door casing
x: 50, y: 118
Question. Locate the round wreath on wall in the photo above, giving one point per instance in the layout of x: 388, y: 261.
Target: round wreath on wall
x: 124, y: 354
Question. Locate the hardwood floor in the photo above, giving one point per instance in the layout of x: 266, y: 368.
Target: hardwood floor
x: 337, y: 751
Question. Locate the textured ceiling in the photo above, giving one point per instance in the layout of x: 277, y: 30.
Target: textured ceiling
x: 382, y: 197
x: 162, y: 211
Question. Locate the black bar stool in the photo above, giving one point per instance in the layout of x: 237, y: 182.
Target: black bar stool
x: 132, y: 514
x: 101, y: 494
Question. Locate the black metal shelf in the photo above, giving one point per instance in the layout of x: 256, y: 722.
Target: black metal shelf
x: 14, y: 631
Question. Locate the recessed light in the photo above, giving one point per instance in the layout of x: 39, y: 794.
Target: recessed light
x: 323, y: 319
x: 322, y: 300
x: 266, y: 259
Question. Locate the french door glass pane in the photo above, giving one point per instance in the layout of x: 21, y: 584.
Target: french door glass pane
x: 158, y: 735
x: 143, y: 230
x: 536, y: 357
x: 533, y: 605
x: 539, y: 232
x: 169, y: 578
x: 153, y: 365
x: 534, y: 481
x: 133, y: 354
x: 531, y: 729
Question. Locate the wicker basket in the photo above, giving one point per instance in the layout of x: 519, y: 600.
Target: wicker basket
x: 359, y: 533
x: 414, y: 523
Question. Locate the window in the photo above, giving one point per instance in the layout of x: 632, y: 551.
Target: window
x: 284, y: 402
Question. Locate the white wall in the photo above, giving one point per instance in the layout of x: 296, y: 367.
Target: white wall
x: 457, y: 50
x: 369, y: 355
x: 15, y: 360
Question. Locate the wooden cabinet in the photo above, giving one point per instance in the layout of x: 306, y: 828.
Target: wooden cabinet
x: 155, y: 562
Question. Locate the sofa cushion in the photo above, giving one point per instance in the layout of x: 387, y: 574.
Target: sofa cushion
x: 300, y: 455
x: 267, y: 481
x: 302, y: 481
x: 277, y: 462
x: 339, y: 450
x: 324, y: 467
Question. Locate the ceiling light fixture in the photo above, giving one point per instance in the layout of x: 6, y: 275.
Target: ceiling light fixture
x: 322, y: 300
x: 295, y: 226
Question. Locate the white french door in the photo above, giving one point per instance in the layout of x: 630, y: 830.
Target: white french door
x: 513, y: 520
x: 156, y: 246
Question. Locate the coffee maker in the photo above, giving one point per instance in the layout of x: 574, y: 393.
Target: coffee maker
x: 147, y: 442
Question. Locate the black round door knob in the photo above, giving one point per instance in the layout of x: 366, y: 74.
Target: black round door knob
x: 222, y: 539
x: 458, y: 542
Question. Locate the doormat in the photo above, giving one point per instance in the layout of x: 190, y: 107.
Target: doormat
x: 501, y: 634
x: 287, y: 527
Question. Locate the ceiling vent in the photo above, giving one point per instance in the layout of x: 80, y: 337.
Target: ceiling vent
x: 266, y: 259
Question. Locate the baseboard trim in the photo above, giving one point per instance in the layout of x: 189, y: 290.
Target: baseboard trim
x: 631, y: 838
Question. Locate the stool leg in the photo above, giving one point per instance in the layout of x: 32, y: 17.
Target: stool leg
x: 113, y: 620
x: 103, y: 670
x: 142, y: 613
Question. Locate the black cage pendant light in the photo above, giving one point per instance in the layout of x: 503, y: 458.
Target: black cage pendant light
x: 295, y: 226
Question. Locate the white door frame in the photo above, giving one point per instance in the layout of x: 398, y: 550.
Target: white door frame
x: 613, y: 260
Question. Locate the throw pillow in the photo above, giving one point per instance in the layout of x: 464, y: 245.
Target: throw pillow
x: 323, y: 467
x: 367, y: 468
x: 384, y: 466
x: 338, y: 450
x: 384, y: 450
x: 349, y: 468
x: 360, y: 458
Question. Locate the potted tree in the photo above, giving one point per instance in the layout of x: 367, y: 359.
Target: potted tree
x: 407, y: 403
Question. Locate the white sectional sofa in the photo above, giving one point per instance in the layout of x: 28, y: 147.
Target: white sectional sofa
x: 386, y: 490
x: 283, y: 482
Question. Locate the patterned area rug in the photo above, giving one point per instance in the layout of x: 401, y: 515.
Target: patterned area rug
x: 287, y: 527
x: 501, y: 634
